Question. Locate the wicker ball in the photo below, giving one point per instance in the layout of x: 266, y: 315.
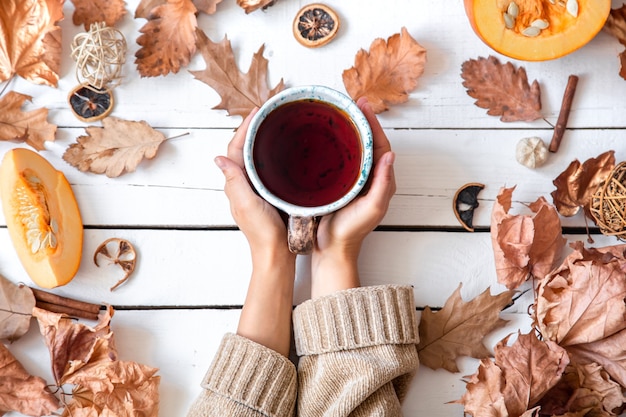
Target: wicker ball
x: 608, y: 204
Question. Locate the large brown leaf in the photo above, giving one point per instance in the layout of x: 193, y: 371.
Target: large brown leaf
x: 87, y: 12
x: 240, y: 93
x: 29, y: 40
x: 502, y: 89
x: 168, y: 39
x: 616, y: 25
x: 524, y: 245
x: 116, y: 147
x: 458, y: 328
x: 16, y: 306
x: 31, y: 127
x: 576, y: 185
x: 22, y: 392
x: 388, y: 72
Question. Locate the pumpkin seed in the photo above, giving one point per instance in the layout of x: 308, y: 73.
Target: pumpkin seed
x: 572, y: 7
x: 513, y: 9
x: 531, y: 31
x: 509, y: 21
x: 540, y: 24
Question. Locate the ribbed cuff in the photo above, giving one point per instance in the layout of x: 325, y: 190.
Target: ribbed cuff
x: 354, y: 318
x: 253, y: 375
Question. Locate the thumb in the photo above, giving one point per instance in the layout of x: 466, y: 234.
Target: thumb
x: 383, y: 185
x: 237, y: 187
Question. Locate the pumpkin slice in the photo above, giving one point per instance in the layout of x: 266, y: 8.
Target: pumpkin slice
x: 42, y: 217
x: 537, y: 30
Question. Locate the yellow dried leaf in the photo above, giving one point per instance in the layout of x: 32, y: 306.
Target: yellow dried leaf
x: 30, y: 127
x: 388, y: 72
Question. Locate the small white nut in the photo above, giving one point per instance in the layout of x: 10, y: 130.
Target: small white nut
x: 531, y: 152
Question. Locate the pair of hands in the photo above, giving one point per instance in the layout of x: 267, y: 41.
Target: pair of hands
x: 339, y: 234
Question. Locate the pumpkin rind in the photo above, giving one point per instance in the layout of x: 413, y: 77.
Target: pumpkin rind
x: 42, y: 217
x: 564, y: 35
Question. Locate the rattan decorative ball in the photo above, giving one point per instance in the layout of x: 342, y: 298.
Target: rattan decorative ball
x: 608, y: 204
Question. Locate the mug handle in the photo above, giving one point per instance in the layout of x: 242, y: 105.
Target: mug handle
x: 301, y: 234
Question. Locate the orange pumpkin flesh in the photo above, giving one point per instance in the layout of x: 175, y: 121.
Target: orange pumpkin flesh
x: 42, y: 217
x: 564, y: 34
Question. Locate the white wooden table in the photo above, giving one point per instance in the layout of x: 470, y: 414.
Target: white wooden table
x: 193, y: 267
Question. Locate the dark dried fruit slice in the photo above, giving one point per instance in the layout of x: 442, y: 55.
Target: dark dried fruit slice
x: 315, y: 25
x: 90, y: 104
x: 464, y: 203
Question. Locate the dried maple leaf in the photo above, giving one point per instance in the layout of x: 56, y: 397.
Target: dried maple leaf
x: 388, y: 72
x: 168, y: 39
x: 576, y: 185
x: 22, y: 392
x: 30, y: 127
x: 516, y: 380
x: 524, y: 245
x: 240, y: 93
x: 502, y: 89
x: 116, y: 147
x: 207, y: 6
x: 616, y: 25
x: 16, y: 306
x: 458, y: 328
x: 87, y: 12
x: 29, y: 40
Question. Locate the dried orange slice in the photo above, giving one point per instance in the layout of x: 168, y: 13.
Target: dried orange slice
x: 315, y: 25
x: 90, y: 104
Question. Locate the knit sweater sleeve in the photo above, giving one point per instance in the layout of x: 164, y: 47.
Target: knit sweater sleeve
x: 246, y: 379
x: 357, y: 351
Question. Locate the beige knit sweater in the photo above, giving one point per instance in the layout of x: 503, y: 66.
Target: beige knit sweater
x: 357, y: 356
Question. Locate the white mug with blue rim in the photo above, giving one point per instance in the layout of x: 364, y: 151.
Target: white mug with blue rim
x: 308, y: 152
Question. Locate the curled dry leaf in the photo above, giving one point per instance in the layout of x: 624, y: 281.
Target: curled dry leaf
x: 524, y: 245
x: 458, y: 328
x: 616, y: 25
x: 576, y: 185
x: 30, y: 127
x: 502, y: 89
x: 251, y: 5
x: 22, y: 392
x: 118, y: 252
x: 116, y: 147
x: 240, y: 93
x: 168, y: 39
x: 388, y: 72
x: 87, y: 12
x: 30, y: 40
x: 16, y: 306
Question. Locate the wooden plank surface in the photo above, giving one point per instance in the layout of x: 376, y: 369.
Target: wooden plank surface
x: 193, y: 264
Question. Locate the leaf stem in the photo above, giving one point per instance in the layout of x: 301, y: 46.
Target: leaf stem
x: 6, y: 84
x: 177, y: 136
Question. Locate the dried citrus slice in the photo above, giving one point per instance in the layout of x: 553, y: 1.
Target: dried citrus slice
x: 90, y: 104
x: 315, y: 25
x: 464, y: 203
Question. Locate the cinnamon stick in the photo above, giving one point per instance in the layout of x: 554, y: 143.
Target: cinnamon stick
x: 566, y: 106
x: 59, y: 304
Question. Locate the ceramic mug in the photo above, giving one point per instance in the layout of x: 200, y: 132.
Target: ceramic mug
x: 308, y: 152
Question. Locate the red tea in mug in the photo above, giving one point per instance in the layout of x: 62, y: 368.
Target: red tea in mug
x: 307, y: 153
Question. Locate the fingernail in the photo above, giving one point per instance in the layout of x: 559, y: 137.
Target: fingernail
x: 389, y: 158
x: 219, y: 161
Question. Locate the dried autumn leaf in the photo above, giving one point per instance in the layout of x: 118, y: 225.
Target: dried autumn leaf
x: 22, y: 392
x: 16, y: 306
x: 207, y: 6
x: 576, y: 185
x: 458, y: 328
x: 388, y: 72
x: 87, y: 12
x: 30, y: 40
x: 168, y: 39
x: 240, y: 93
x: 502, y: 89
x: 251, y: 5
x: 516, y: 380
x: 116, y: 147
x: 524, y: 245
x: 30, y: 127
x: 616, y: 25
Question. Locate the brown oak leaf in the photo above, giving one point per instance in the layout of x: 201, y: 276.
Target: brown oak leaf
x: 22, y: 392
x: 145, y: 6
x: 30, y: 127
x: 520, y: 375
x: 16, y: 306
x: 30, y: 40
x: 459, y: 327
x: 116, y: 147
x: 524, y: 245
x: 616, y: 25
x: 168, y: 39
x: 502, y: 89
x: 240, y: 93
x: 388, y: 72
x: 88, y: 12
x: 576, y: 185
